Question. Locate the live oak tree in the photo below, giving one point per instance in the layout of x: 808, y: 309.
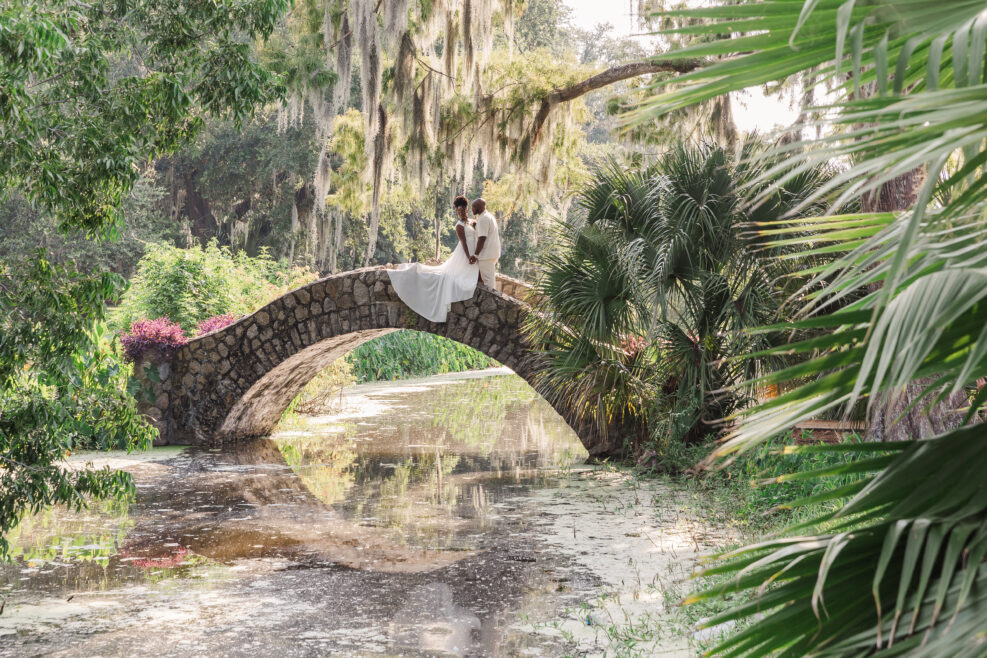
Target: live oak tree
x: 442, y: 88
x: 89, y: 92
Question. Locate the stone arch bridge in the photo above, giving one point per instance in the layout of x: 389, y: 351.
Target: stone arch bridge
x: 236, y: 382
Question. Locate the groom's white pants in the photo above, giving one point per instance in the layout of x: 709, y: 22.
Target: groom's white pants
x: 488, y: 271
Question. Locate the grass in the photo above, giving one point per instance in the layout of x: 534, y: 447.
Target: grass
x: 748, y: 490
x: 406, y: 354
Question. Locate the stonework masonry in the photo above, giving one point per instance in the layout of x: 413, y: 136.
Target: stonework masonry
x: 236, y: 382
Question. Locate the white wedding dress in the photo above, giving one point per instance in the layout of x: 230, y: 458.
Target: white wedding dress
x: 430, y: 290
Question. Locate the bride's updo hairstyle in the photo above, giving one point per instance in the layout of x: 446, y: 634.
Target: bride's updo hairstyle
x: 461, y: 203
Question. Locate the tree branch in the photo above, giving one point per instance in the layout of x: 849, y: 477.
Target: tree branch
x: 603, y: 79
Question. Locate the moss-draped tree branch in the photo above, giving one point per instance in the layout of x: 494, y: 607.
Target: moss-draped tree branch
x: 603, y: 79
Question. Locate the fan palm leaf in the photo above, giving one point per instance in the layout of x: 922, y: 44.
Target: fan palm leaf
x: 661, y: 258
x: 901, y: 564
x: 900, y: 568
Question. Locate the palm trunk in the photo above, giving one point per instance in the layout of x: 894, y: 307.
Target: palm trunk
x: 896, y: 416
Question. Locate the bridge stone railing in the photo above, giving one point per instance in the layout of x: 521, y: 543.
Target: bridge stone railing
x: 236, y: 382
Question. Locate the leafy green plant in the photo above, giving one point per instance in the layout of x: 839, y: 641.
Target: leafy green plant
x: 77, y: 129
x: 77, y: 133
x: 899, y: 569
x: 189, y: 286
x: 649, y: 299
x: 24, y: 228
x: 61, y: 389
x: 405, y: 354
x: 771, y: 480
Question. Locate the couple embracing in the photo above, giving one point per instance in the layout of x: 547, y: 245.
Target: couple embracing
x: 430, y: 290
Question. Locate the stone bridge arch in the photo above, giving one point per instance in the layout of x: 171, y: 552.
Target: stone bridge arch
x: 236, y: 382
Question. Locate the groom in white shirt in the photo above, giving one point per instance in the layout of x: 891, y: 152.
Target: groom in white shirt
x: 487, y: 243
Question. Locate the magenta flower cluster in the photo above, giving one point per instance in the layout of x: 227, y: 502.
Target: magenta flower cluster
x: 162, y: 334
x: 216, y: 322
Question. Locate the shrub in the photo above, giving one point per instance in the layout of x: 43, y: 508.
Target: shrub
x: 191, y: 285
x: 648, y: 300
x: 216, y: 322
x: 160, y: 334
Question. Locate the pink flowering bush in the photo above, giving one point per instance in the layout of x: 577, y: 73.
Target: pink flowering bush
x: 216, y: 322
x: 161, y: 334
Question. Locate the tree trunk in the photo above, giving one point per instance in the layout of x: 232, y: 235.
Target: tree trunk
x: 204, y: 224
x: 303, y: 219
x: 439, y: 209
x: 888, y: 419
x: 890, y: 422
x: 897, y: 194
x: 337, y: 242
x: 724, y: 127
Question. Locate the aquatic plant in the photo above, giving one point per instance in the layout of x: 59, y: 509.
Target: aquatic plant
x: 160, y: 334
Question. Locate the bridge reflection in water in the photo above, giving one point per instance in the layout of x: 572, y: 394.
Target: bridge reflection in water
x: 402, y: 523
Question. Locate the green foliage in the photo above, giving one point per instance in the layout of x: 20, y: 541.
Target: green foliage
x: 89, y: 93
x: 188, y: 286
x: 24, y: 229
x: 899, y: 569
x: 301, y: 65
x: 61, y: 389
x: 542, y: 25
x: 649, y: 300
x: 238, y: 180
x: 351, y: 193
x: 77, y: 128
x: 898, y: 556
x: 763, y: 488
x: 405, y: 354
x: 772, y: 479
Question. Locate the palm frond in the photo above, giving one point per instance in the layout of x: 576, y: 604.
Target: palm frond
x: 901, y: 565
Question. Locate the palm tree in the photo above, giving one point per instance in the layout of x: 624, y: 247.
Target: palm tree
x: 898, y: 569
x: 648, y: 294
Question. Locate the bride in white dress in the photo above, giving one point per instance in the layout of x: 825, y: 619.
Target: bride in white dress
x: 430, y: 290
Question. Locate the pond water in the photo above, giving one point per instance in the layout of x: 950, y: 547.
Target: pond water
x: 444, y: 516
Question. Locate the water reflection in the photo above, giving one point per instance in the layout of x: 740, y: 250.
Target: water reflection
x: 434, y: 472
x: 431, y: 621
x: 399, y: 526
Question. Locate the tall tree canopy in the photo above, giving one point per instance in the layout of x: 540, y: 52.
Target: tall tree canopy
x: 89, y: 92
